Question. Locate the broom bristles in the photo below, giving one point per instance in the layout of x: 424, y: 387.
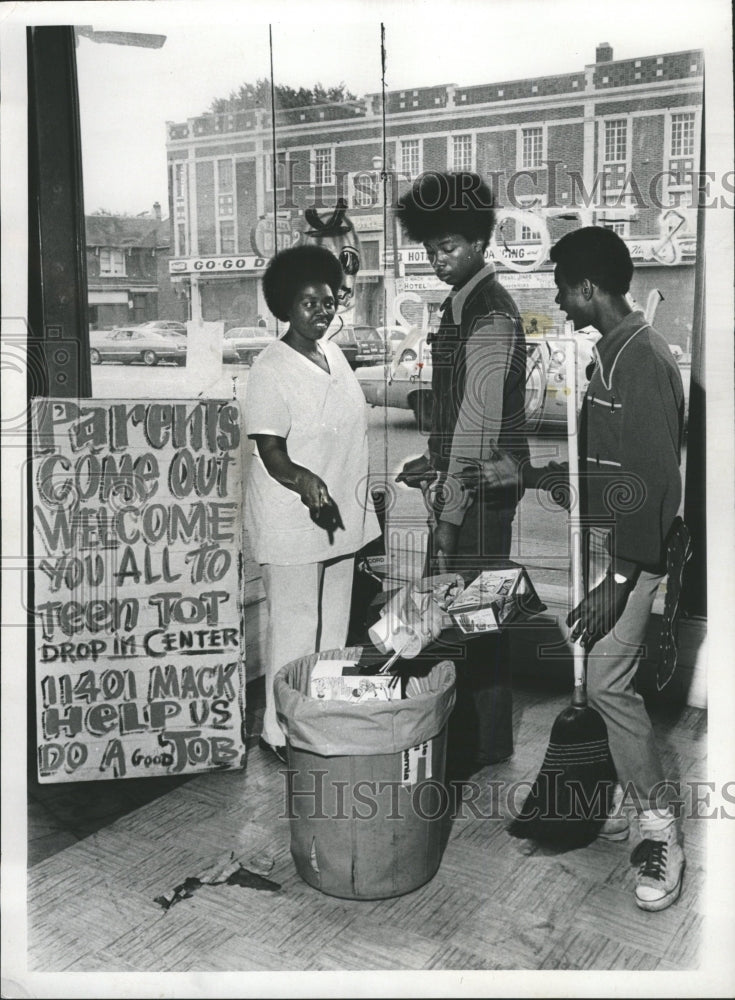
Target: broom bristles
x: 572, y: 794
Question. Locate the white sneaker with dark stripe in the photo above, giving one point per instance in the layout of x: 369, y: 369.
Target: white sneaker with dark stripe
x: 660, y: 861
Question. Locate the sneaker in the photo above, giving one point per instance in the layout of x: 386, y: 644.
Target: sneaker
x: 660, y: 861
x: 617, y: 825
x: 279, y: 751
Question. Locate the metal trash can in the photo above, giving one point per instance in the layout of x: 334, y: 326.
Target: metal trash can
x: 368, y: 806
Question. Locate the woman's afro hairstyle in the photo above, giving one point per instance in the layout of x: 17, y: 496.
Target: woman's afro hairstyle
x: 291, y: 269
x: 440, y: 204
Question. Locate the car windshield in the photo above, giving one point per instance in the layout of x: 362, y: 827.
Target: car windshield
x: 368, y: 333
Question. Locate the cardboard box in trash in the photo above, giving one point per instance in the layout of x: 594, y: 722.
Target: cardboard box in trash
x: 496, y: 598
x: 342, y: 680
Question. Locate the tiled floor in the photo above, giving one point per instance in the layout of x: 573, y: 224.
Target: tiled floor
x: 100, y: 852
x: 62, y: 814
x: 495, y: 902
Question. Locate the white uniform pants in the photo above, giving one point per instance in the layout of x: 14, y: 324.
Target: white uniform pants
x: 308, y: 611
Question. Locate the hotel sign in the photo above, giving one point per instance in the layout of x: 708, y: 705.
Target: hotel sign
x: 525, y: 257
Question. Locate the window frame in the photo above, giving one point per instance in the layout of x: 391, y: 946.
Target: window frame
x: 281, y: 184
x: 451, y: 150
x: 681, y: 155
x: 373, y: 198
x: 112, y: 272
x: 221, y: 238
x: 314, y: 163
x: 540, y: 162
x: 226, y: 217
x: 525, y: 202
x: 618, y: 169
x: 180, y: 170
x: 604, y: 125
x: 418, y: 145
x: 678, y: 189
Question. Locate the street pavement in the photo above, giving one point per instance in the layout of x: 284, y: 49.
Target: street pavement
x: 540, y: 527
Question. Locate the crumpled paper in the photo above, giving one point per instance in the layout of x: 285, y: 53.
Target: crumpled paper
x: 225, y: 870
x: 415, y: 615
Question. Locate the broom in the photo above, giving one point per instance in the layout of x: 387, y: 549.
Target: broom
x: 572, y: 794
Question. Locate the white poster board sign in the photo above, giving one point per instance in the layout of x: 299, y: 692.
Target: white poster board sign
x: 137, y: 578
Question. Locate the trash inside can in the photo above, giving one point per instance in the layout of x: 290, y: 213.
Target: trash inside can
x: 367, y: 802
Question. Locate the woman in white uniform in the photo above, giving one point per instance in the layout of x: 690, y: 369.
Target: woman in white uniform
x: 307, y: 505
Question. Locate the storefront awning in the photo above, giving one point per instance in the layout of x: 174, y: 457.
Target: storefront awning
x: 108, y: 298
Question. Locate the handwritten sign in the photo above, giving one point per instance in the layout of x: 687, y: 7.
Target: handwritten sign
x: 137, y: 576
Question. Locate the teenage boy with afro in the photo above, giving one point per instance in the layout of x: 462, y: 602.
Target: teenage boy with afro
x: 478, y: 388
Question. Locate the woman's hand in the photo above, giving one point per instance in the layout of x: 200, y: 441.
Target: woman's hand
x: 312, y: 490
x: 323, y: 510
x: 274, y: 454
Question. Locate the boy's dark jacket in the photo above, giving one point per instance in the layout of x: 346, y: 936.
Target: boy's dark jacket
x: 630, y: 444
x: 478, y: 379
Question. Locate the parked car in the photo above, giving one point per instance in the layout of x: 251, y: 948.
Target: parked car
x: 163, y: 324
x: 552, y: 361
x: 406, y: 381
x: 229, y: 353
x: 244, y: 343
x: 394, y: 335
x: 129, y: 344
x: 361, y: 345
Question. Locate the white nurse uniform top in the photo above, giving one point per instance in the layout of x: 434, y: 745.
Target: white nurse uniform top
x: 323, y: 418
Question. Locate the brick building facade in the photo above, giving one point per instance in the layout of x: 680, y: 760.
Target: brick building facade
x: 127, y: 270
x: 615, y: 143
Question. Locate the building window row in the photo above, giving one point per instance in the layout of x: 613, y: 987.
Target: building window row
x: 363, y: 186
x: 615, y: 141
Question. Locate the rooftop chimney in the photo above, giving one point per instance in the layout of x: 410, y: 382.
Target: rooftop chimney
x: 603, y: 52
x: 156, y: 209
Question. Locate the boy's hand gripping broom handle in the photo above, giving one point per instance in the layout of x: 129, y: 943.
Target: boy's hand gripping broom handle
x: 579, y: 697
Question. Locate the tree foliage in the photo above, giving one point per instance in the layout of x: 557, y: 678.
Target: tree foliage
x: 258, y: 95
